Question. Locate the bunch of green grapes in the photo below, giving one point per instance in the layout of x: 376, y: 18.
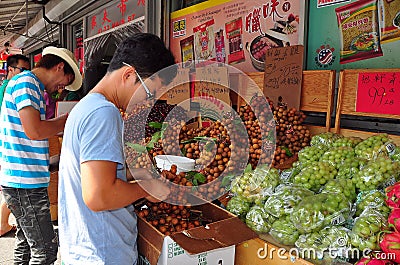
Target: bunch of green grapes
x: 366, y: 228
x: 326, y: 139
x: 337, y: 155
x: 328, y: 238
x: 376, y: 174
x: 372, y: 147
x: 343, y: 186
x: 372, y: 199
x: 285, y: 198
x: 347, y: 141
x: 350, y: 167
x: 314, y: 176
x: 259, y: 220
x: 311, y: 153
x: 320, y: 210
x: 395, y: 154
x: 284, y: 232
x: 238, y: 206
x: 257, y: 185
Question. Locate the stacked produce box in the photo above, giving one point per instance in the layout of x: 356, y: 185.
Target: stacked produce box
x: 332, y: 202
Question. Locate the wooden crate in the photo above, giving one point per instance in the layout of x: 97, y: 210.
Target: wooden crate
x: 53, y: 194
x: 347, y: 98
x: 317, y: 93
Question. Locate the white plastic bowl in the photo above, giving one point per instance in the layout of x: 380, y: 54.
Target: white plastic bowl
x: 183, y: 164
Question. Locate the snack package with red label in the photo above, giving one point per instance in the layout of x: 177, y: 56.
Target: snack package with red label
x: 204, y: 41
x: 234, y: 34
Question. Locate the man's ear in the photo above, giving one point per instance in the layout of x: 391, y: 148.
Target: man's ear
x: 60, y: 66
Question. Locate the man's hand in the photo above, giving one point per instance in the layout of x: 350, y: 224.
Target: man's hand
x: 156, y: 190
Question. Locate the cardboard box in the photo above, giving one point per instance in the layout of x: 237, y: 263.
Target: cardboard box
x: 213, y: 244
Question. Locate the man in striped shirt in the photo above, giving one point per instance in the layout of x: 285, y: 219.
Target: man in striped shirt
x: 24, y: 152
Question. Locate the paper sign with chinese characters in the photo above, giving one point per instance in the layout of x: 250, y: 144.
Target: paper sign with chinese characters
x: 283, y: 75
x: 379, y: 93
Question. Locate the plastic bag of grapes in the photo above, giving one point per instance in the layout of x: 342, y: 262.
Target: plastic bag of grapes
x: 256, y: 185
x: 285, y: 198
x: 378, y: 173
x: 347, y: 141
x: 338, y: 155
x: 343, y: 186
x: 238, y: 206
x: 315, y: 175
x: 374, y: 146
x: 395, y: 154
x: 372, y: 199
x: 330, y: 238
x: 284, y: 232
x: 311, y: 153
x: 321, y: 210
x: 327, y: 139
x: 350, y: 167
x: 366, y: 228
x: 286, y: 176
x: 259, y: 220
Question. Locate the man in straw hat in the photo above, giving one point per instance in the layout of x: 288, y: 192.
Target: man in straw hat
x: 97, y: 222
x: 24, y: 152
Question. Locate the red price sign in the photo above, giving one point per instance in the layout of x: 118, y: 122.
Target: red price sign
x: 379, y: 93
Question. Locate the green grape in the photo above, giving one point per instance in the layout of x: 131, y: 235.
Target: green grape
x: 336, y: 156
x: 284, y: 232
x: 347, y: 141
x: 395, y: 154
x: 314, y: 176
x: 285, y: 198
x: 378, y: 173
x: 327, y: 139
x: 320, y: 210
x: 362, y: 244
x: 238, y: 206
x: 373, y: 147
x: 343, y: 186
x: 311, y: 153
x: 258, y: 220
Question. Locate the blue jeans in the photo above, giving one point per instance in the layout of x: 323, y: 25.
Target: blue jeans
x: 36, y: 242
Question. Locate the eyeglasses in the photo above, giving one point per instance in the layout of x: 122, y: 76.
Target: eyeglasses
x: 20, y: 68
x: 149, y: 95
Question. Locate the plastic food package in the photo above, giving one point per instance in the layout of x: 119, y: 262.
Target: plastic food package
x: 389, y: 18
x: 326, y: 139
x: 238, y: 206
x: 321, y: 210
x: 350, y: 167
x: 311, y: 153
x: 366, y: 228
x: 285, y: 198
x: 337, y: 155
x: 371, y: 199
x: 378, y: 173
x: 256, y: 185
x: 284, y: 232
x: 259, y: 220
x: 374, y: 146
x: 343, y: 186
x: 358, y: 25
x: 315, y: 175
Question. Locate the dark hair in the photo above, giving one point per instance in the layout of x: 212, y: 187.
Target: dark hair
x: 12, y: 60
x: 147, y: 53
x: 48, y: 61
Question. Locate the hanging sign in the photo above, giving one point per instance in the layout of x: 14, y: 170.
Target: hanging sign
x: 114, y: 15
x: 283, y: 75
x: 379, y: 93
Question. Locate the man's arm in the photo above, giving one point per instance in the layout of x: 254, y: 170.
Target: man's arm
x: 102, y: 190
x: 37, y: 129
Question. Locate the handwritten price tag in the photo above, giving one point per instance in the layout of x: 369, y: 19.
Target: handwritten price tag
x: 379, y: 93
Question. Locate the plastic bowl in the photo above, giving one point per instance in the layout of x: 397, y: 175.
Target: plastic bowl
x: 183, y: 164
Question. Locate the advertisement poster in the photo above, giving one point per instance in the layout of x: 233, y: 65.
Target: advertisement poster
x: 235, y: 32
x: 352, y: 34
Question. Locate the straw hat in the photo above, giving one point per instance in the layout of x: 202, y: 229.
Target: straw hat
x: 69, y: 57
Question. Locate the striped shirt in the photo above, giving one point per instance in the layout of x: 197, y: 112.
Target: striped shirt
x: 24, y: 162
